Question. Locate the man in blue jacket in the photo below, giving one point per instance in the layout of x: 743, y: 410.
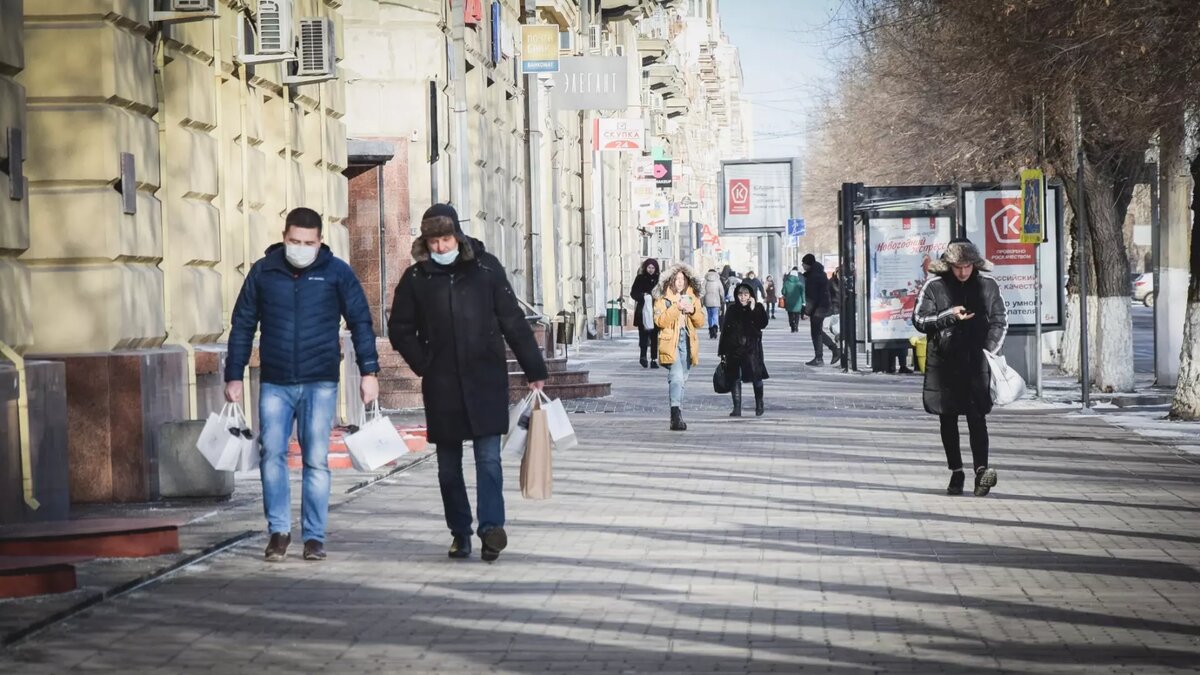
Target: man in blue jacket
x: 298, y: 293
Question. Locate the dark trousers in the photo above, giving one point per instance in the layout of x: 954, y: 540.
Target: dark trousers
x: 648, y: 339
x: 794, y: 321
x: 977, y: 425
x: 816, y: 326
x: 489, y: 485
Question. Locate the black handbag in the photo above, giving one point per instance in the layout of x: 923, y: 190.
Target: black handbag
x: 721, y: 383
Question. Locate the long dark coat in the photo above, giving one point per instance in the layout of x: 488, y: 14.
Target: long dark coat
x: 816, y: 291
x: 450, y: 323
x: 643, y: 284
x: 741, y: 342
x: 957, y: 377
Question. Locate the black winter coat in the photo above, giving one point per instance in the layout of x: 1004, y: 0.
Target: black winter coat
x: 741, y: 342
x: 643, y: 284
x: 299, y: 314
x: 957, y: 377
x: 816, y: 288
x: 450, y: 323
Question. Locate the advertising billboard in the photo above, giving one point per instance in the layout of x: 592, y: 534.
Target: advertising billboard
x: 900, y: 250
x: 992, y: 219
x: 757, y: 196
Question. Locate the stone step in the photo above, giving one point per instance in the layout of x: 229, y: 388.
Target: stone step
x: 565, y: 391
x: 27, y: 576
x: 565, y: 377
x: 94, y: 537
x: 552, y: 365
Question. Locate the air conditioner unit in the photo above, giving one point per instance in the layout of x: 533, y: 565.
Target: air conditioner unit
x: 316, y: 58
x: 566, y: 42
x: 179, y: 11
x: 274, y: 24
x: 271, y: 37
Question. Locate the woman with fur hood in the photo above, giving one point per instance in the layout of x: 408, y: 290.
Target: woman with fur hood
x: 678, y: 316
x: 962, y: 313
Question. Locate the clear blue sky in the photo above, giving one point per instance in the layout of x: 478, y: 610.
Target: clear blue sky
x: 790, y: 51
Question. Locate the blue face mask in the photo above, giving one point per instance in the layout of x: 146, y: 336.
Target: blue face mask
x: 444, y: 258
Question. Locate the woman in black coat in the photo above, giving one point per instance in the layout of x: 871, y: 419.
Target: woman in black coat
x: 643, y: 285
x: 962, y: 313
x: 741, y: 346
x: 453, y: 312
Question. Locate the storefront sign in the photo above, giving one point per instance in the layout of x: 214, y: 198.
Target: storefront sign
x: 539, y: 49
x: 591, y: 83
x: 618, y: 134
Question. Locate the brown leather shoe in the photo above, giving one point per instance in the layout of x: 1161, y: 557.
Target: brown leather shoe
x: 314, y: 550
x: 278, y: 546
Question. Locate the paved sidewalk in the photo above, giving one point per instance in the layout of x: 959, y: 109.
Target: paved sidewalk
x: 815, y: 539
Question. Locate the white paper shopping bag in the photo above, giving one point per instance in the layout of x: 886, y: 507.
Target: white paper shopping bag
x: 219, y: 445
x: 376, y: 443
x: 561, y: 431
x: 518, y: 427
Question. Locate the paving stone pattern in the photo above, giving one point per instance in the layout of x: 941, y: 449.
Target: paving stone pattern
x: 816, y: 539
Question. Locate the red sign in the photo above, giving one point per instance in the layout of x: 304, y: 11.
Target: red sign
x: 1002, y: 233
x: 739, y: 196
x: 473, y: 12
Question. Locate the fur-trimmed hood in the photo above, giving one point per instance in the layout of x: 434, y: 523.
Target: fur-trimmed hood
x: 468, y: 248
x: 960, y: 252
x: 665, y: 278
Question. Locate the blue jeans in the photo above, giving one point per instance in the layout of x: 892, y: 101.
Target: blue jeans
x: 489, y: 485
x: 311, y: 407
x: 677, y: 374
x: 714, y: 316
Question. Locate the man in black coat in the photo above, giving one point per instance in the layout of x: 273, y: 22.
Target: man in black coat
x: 295, y: 297
x: 962, y: 312
x: 453, y: 312
x: 817, y: 306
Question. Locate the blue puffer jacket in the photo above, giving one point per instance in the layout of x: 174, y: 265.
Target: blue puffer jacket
x: 300, y: 314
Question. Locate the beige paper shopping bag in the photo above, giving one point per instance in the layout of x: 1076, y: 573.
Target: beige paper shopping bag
x: 536, y: 467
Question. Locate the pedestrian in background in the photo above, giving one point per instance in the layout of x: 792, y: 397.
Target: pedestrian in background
x: 772, y: 295
x: 677, y: 315
x: 741, y: 347
x: 453, y: 312
x: 731, y: 283
x: 643, y: 286
x: 714, y: 300
x: 831, y: 326
x: 295, y: 297
x: 793, y: 298
x: 962, y: 313
x: 817, y: 306
x: 756, y: 286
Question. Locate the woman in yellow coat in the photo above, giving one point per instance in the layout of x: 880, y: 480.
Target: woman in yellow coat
x: 678, y: 315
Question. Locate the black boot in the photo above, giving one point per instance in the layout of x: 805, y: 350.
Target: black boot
x: 677, y: 423
x: 712, y: 332
x: 957, y: 479
x: 836, y: 357
x: 645, y: 364
x: 654, y: 364
x: 758, y: 399
x: 985, y: 480
x: 736, y: 393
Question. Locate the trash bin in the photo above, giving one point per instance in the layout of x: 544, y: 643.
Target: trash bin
x: 565, y: 333
x: 614, y: 313
x: 919, y: 344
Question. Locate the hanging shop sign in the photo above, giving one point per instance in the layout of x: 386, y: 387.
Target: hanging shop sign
x: 619, y: 134
x: 591, y: 83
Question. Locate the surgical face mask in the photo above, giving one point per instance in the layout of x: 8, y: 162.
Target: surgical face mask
x: 301, y: 256
x: 446, y: 258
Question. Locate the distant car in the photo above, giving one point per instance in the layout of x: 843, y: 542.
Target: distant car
x: 1143, y: 289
